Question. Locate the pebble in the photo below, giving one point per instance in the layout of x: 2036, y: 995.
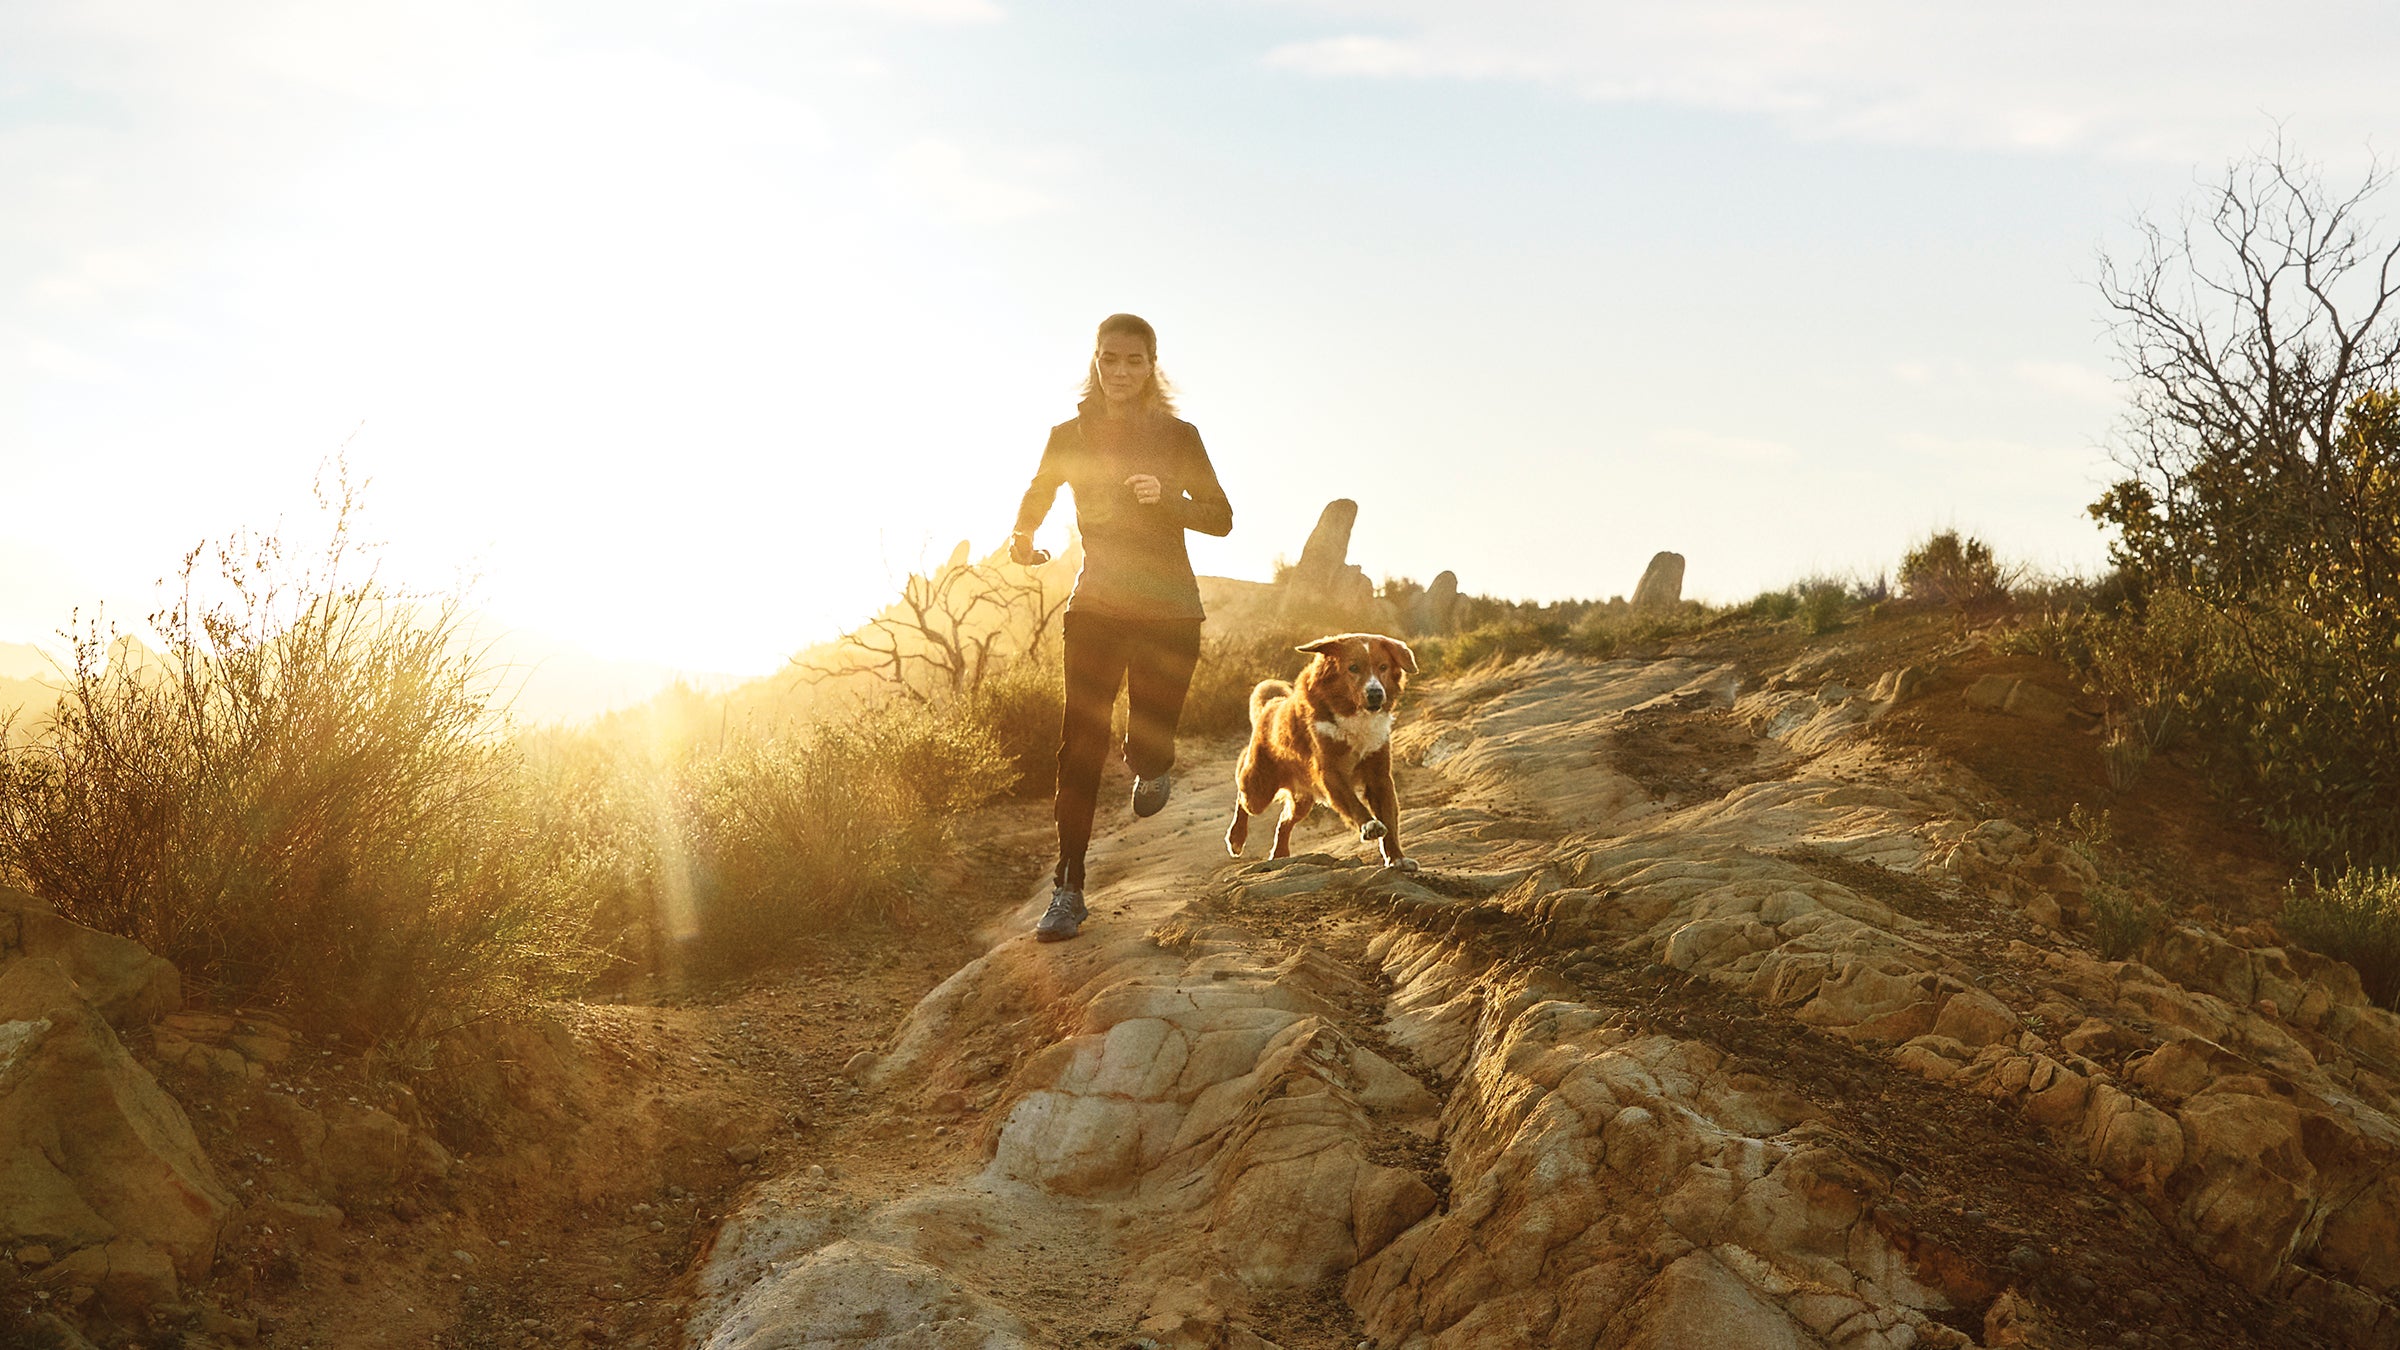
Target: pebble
x: 464, y: 1258
x: 2027, y: 1259
x: 657, y: 1227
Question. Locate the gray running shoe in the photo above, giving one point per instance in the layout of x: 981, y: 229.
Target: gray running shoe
x: 1150, y: 794
x: 1064, y: 918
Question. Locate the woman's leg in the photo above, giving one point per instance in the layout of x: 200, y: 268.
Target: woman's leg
x: 1095, y: 664
x: 1161, y: 674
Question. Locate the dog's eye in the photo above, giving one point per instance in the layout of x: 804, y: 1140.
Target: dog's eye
x: 1354, y: 669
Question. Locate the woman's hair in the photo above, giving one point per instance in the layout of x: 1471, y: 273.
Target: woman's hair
x: 1158, y: 395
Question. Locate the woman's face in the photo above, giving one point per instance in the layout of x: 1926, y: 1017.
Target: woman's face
x: 1124, y: 365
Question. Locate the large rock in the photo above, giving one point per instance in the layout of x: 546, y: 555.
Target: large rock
x: 1325, y: 585
x: 92, y: 1152
x: 852, y: 1295
x: 1328, y: 547
x: 1435, y: 609
x: 122, y: 979
x: 1661, y: 586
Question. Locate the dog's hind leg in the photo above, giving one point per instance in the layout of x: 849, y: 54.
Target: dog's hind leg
x: 1295, y: 810
x: 1238, y: 833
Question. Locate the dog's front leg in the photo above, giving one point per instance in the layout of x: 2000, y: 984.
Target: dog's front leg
x: 1375, y: 772
x: 1342, y: 795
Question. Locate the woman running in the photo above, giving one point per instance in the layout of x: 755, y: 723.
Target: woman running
x: 1141, y: 479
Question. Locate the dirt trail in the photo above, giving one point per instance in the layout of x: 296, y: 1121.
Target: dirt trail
x: 1711, y: 1011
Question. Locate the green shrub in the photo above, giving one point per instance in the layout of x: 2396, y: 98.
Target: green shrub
x: 2122, y: 923
x: 2356, y: 919
x: 1022, y: 709
x: 1231, y: 665
x: 1824, y: 606
x: 790, y: 834
x: 1502, y: 642
x: 302, y: 805
x: 1952, y: 571
x: 1773, y: 606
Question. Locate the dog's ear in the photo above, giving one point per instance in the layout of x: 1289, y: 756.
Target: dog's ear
x: 1401, y: 655
x: 1324, y: 646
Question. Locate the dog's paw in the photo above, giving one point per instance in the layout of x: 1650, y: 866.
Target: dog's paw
x: 1373, y: 830
x: 1401, y: 865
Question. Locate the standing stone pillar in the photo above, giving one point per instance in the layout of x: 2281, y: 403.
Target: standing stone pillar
x: 1662, y: 583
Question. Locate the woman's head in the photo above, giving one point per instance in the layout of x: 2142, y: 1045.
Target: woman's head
x: 1124, y: 372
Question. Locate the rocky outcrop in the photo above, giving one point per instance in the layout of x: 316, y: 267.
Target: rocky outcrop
x: 122, y: 979
x: 97, y: 1163
x: 1435, y: 609
x: 1661, y: 586
x: 1325, y: 581
x: 1212, y: 1095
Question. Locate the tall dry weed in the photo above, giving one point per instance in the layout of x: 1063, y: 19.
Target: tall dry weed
x: 301, y: 803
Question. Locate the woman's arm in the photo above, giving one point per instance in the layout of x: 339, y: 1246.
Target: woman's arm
x: 1036, y: 504
x: 1202, y: 506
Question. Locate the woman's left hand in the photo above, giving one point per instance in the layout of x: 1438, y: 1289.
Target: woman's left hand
x: 1146, y: 488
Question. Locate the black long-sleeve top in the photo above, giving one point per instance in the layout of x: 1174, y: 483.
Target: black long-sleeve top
x: 1135, y: 565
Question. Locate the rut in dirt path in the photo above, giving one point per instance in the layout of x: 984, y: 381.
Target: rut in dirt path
x: 1756, y: 1050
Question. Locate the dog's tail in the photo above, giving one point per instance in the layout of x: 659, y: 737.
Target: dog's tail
x: 1267, y: 692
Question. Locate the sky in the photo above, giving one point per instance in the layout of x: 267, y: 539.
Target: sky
x: 679, y: 333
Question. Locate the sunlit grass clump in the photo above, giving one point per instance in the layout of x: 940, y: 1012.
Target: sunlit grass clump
x: 300, y: 803
x: 2354, y: 918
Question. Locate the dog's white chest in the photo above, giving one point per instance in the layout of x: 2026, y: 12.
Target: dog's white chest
x: 1363, y: 733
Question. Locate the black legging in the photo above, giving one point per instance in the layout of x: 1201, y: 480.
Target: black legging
x: 1153, y: 658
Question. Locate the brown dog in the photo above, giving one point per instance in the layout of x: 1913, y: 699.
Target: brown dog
x: 1327, y: 739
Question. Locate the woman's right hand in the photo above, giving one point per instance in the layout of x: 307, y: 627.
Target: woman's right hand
x: 1022, y: 552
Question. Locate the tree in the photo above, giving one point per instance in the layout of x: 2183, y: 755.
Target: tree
x: 950, y: 631
x: 2248, y: 333
x: 2259, y: 524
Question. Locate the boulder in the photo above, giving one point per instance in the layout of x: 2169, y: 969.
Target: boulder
x: 92, y: 1151
x: 121, y: 978
x: 1435, y: 609
x: 1699, y: 1304
x: 1325, y: 585
x: 863, y: 1296
x: 1328, y: 547
x: 1661, y: 586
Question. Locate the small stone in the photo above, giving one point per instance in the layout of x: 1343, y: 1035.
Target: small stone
x: 657, y: 1227
x: 2027, y: 1259
x: 742, y: 1155
x: 34, y: 1255
x: 463, y: 1258
x: 815, y: 1172
x: 2082, y: 1285
x: 407, y: 1210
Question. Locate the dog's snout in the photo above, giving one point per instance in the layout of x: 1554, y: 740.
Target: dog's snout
x: 1375, y: 696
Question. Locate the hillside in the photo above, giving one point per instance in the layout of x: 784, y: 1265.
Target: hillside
x: 1751, y: 995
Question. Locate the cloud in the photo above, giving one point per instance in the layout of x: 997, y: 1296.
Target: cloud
x: 2142, y: 81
